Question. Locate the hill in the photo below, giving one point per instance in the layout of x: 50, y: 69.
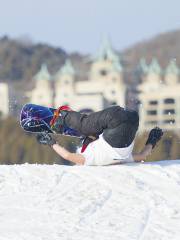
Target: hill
x: 139, y: 202
x: 164, y: 47
x: 20, y: 60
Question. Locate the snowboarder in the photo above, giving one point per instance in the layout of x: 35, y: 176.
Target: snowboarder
x: 109, y: 136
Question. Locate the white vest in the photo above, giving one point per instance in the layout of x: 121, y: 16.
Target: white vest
x: 99, y: 152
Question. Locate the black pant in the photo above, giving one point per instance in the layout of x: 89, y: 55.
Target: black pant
x: 118, y: 125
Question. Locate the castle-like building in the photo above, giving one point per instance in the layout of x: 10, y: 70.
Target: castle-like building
x: 4, y: 102
x: 104, y: 86
x: 159, y: 96
x: 159, y: 90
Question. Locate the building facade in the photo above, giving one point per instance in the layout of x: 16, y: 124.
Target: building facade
x: 159, y: 96
x: 159, y: 90
x: 104, y: 86
x: 4, y: 96
x: 42, y: 94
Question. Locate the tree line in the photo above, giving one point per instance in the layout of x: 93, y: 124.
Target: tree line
x: 18, y: 147
x: 21, y: 61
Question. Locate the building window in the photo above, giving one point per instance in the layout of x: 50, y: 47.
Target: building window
x: 103, y: 72
x: 112, y: 103
x: 154, y: 102
x: 169, y: 101
x: 152, y: 112
x: 66, y: 81
x: 151, y: 123
x: 169, y: 121
x: 169, y: 111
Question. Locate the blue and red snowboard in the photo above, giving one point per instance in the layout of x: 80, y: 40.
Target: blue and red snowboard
x: 35, y: 118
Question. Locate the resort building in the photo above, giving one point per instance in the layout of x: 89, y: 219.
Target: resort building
x: 42, y: 94
x: 4, y: 96
x: 159, y: 96
x: 103, y: 87
x: 158, y: 92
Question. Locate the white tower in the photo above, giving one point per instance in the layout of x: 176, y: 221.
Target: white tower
x: 64, y: 85
x: 42, y: 94
x: 159, y: 97
x: 4, y: 96
x: 107, y: 70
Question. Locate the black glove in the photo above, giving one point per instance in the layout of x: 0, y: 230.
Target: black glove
x: 154, y: 136
x: 45, y: 138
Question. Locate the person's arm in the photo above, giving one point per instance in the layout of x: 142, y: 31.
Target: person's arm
x: 138, y: 157
x: 154, y: 137
x: 46, y: 139
x: 72, y: 157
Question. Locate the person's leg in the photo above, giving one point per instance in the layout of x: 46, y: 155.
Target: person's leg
x: 111, y: 122
x: 124, y: 134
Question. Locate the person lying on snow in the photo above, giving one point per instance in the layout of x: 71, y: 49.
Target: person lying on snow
x: 109, y: 136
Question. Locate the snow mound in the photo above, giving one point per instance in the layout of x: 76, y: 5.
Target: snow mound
x: 124, y: 202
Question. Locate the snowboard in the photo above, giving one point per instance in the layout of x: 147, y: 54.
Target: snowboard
x: 36, y: 119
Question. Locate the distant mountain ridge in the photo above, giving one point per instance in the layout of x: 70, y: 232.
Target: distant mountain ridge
x: 164, y: 47
x: 21, y: 61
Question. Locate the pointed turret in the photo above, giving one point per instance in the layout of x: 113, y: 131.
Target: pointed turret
x: 42, y: 94
x: 117, y: 67
x: 106, y: 51
x: 172, y: 68
x: 64, y: 84
x: 154, y: 67
x: 143, y: 67
x: 152, y: 79
x: 141, y: 70
x: 67, y: 68
x: 43, y: 74
x: 172, y: 73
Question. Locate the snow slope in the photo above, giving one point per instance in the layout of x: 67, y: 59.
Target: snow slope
x: 124, y: 202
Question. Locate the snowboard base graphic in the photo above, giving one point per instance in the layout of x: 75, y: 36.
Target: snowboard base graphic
x: 36, y: 118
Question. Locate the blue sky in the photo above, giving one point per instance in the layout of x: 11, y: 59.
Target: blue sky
x: 79, y: 25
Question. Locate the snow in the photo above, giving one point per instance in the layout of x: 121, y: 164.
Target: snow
x: 123, y: 202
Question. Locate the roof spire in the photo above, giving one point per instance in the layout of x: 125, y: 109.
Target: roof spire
x: 105, y: 51
x: 143, y: 65
x: 154, y: 67
x: 67, y: 68
x: 43, y: 74
x: 172, y: 68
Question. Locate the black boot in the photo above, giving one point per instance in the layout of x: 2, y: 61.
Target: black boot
x: 59, y: 123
